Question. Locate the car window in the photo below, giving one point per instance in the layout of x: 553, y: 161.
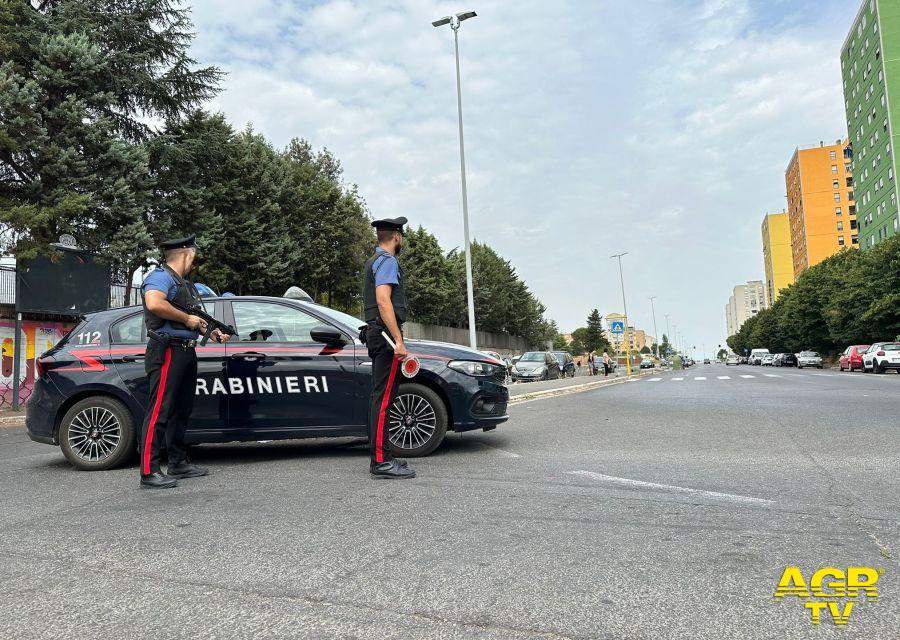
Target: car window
x: 809, y: 354
x: 272, y: 322
x: 891, y: 346
x: 129, y: 330
x: 532, y: 356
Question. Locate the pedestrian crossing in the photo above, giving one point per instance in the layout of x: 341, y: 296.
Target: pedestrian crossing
x: 742, y: 376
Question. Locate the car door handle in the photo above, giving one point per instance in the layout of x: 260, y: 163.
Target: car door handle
x: 247, y: 355
x: 133, y: 357
x: 367, y: 363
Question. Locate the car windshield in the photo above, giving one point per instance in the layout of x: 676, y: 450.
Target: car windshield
x: 532, y: 356
x: 809, y: 354
x: 891, y: 346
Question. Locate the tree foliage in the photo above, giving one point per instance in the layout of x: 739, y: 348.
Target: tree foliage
x: 851, y: 297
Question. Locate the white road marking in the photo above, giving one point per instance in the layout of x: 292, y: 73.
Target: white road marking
x: 700, y: 378
x: 653, y: 379
x: 503, y: 453
x: 747, y: 376
x: 678, y: 379
x: 724, y: 377
x: 668, y: 487
x: 771, y: 375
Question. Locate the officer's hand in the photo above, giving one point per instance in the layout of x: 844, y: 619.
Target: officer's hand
x: 218, y: 336
x: 400, y: 351
x: 196, y: 323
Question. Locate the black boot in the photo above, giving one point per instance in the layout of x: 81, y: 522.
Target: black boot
x: 392, y: 469
x: 187, y: 470
x: 158, y: 480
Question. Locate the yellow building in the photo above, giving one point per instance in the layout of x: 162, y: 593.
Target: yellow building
x: 777, y: 257
x: 821, y: 205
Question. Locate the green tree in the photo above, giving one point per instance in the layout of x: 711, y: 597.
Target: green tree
x: 594, y: 337
x: 434, y: 297
x: 665, y: 348
x: 79, y: 82
x: 722, y: 354
x: 560, y: 344
x: 579, y: 341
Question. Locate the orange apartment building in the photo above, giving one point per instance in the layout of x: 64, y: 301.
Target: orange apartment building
x: 821, y: 208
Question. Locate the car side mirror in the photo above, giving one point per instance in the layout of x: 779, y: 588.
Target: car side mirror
x: 326, y: 335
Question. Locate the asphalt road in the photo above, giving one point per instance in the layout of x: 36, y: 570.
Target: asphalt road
x: 666, y: 507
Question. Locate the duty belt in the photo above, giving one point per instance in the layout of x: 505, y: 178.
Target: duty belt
x: 167, y: 340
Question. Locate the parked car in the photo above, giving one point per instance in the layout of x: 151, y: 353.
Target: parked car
x: 776, y: 359
x: 787, y: 360
x: 809, y: 359
x: 732, y: 359
x: 647, y: 363
x: 852, y: 357
x: 566, y: 363
x: 705, y: 360
x: 882, y: 356
x: 536, y: 365
x: 294, y: 370
x: 756, y: 356
x: 767, y: 359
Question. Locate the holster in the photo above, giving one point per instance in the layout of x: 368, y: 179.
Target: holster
x: 363, y: 332
x: 162, y: 338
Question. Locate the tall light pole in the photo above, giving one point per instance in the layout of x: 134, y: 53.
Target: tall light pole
x: 655, y: 331
x: 618, y: 256
x: 454, y: 22
x: 668, y: 334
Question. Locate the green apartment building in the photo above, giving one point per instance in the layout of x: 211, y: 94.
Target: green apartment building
x: 870, y: 65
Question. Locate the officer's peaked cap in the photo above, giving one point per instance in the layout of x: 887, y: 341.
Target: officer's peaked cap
x: 394, y: 224
x: 179, y: 243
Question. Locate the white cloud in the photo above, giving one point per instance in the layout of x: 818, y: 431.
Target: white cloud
x: 660, y: 127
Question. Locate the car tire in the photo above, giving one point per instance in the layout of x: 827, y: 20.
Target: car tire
x: 118, y: 434
x: 424, y: 406
x: 878, y: 368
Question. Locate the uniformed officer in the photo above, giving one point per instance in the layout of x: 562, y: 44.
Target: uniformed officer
x: 384, y: 301
x: 171, y: 364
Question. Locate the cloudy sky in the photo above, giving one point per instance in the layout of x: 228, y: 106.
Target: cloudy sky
x: 657, y: 127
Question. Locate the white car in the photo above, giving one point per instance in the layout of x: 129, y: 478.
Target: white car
x: 732, y: 360
x: 882, y: 356
x: 809, y: 359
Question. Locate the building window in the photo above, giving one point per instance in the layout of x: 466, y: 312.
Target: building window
x: 837, y: 197
x: 840, y: 226
x: 832, y: 155
x: 837, y: 211
x: 835, y: 184
x: 841, y: 240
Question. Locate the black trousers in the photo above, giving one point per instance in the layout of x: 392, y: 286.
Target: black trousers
x: 385, y: 382
x: 172, y: 376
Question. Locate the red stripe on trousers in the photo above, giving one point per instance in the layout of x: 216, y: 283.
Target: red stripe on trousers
x: 379, y: 430
x: 151, y: 427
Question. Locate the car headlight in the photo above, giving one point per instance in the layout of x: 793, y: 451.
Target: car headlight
x: 473, y: 368
x: 538, y: 370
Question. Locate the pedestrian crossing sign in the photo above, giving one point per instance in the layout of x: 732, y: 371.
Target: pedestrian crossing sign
x: 617, y: 326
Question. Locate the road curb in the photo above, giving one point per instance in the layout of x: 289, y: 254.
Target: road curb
x: 579, y: 388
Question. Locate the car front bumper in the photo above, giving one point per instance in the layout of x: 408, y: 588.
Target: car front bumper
x: 476, y: 402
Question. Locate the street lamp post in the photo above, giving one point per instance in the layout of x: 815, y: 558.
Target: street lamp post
x: 655, y: 331
x: 618, y: 256
x: 668, y: 333
x: 454, y: 22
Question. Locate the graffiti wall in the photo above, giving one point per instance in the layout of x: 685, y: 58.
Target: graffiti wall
x: 36, y: 338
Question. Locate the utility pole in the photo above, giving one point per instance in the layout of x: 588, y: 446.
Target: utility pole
x: 655, y: 331
x: 454, y: 22
x: 618, y: 256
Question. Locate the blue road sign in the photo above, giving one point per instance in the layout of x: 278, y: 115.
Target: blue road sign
x: 617, y: 326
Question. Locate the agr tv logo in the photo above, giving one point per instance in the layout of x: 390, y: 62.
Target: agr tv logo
x: 837, y: 591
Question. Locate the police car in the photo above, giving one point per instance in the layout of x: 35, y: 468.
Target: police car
x: 294, y: 370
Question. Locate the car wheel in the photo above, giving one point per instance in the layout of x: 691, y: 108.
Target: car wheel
x: 879, y: 368
x: 97, y: 433
x: 417, y: 421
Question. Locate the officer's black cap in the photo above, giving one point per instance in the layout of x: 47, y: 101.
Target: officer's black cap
x: 179, y: 243
x: 394, y: 224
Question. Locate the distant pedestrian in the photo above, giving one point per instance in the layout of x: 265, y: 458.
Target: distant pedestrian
x: 605, y: 364
x: 592, y: 364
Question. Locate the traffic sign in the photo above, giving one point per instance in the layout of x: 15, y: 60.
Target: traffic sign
x: 617, y: 326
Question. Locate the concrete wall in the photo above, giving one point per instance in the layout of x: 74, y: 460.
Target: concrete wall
x: 500, y: 342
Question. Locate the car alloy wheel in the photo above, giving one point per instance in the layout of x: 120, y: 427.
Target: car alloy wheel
x: 97, y: 433
x: 416, y: 421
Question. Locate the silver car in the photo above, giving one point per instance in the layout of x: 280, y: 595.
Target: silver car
x: 809, y: 359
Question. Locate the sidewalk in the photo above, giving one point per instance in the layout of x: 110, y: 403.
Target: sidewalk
x: 525, y: 391
x: 10, y: 418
